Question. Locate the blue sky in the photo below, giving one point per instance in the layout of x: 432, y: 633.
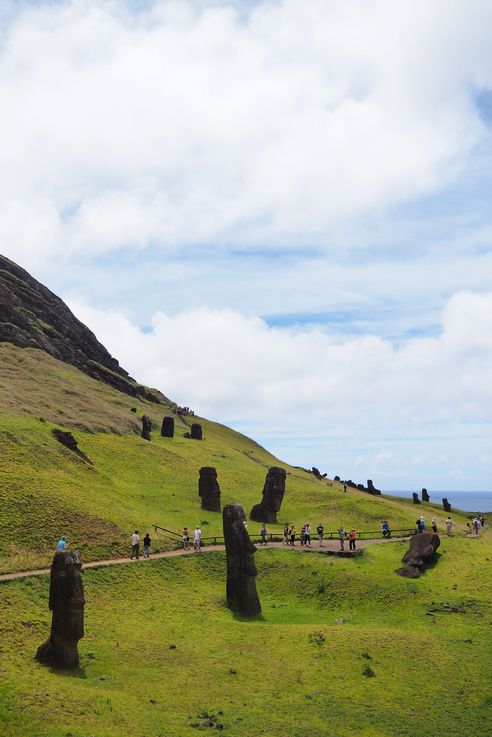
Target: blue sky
x: 278, y: 213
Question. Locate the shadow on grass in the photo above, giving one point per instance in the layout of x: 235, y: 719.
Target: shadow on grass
x: 77, y: 672
x: 242, y: 618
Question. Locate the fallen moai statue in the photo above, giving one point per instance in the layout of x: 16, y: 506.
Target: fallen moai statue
x: 209, y: 489
x: 67, y: 604
x: 420, y: 553
x: 273, y: 494
x: 241, y: 593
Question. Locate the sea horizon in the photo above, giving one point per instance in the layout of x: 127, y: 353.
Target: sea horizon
x: 466, y: 501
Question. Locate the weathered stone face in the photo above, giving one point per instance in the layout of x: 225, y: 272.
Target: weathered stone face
x: 209, y: 489
x: 425, y: 495
x: 167, y: 429
x: 196, y: 431
x: 420, y: 553
x: 146, y: 427
x: 446, y: 505
x: 242, y: 596
x: 415, y: 498
x: 67, y: 604
x: 273, y: 494
x: 372, y: 489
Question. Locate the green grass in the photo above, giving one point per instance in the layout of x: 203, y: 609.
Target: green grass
x: 46, y: 491
x: 342, y: 647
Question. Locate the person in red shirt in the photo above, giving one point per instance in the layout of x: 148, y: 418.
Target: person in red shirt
x: 352, y: 538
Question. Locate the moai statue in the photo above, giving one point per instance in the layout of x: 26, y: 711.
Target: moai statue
x: 425, y: 495
x: 67, y: 604
x: 273, y: 493
x: 196, y: 431
x: 415, y: 497
x: 420, y: 553
x: 446, y: 505
x: 146, y: 427
x: 167, y: 429
x: 242, y: 596
x: 209, y: 489
x: 372, y: 489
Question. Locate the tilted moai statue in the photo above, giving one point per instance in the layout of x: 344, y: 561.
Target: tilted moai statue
x: 425, y: 495
x: 167, y: 429
x: 209, y: 489
x: 372, y: 489
x: 446, y: 505
x: 67, y: 604
x: 273, y: 493
x: 146, y: 427
x: 420, y: 553
x: 241, y: 593
x: 196, y: 431
x: 415, y: 497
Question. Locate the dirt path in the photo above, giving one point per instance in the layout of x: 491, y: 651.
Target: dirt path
x: 327, y: 546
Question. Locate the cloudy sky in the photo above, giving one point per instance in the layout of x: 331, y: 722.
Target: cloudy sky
x: 277, y: 213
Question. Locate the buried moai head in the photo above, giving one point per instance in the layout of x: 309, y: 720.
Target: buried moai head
x: 446, y: 505
x: 242, y: 596
x: 209, y: 489
x: 425, y: 495
x: 167, y: 429
x: 146, y: 427
x: 415, y: 498
x: 196, y: 431
x: 273, y: 494
x: 67, y: 604
x: 420, y: 553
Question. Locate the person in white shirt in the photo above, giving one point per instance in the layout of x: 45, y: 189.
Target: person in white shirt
x: 135, y: 545
x: 197, y: 538
x: 449, y: 525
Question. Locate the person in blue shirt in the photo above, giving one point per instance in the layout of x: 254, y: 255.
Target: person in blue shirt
x: 62, y: 544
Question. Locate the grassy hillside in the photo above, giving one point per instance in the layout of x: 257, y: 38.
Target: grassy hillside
x: 343, y: 647
x: 46, y: 490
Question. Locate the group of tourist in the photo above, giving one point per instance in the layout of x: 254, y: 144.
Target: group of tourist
x: 135, y: 551
x: 185, y: 411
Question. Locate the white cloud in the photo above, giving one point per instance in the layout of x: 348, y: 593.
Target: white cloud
x: 431, y: 393
x: 196, y: 123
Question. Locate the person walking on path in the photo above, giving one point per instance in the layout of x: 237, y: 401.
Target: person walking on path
x: 341, y: 537
x: 147, y: 542
x: 285, y: 541
x: 62, y: 544
x: 385, y: 530
x: 197, y: 538
x: 476, y: 525
x: 352, y: 538
x: 320, y: 530
x: 292, y: 534
x: 434, y: 524
x: 449, y: 526
x: 307, y: 534
x: 135, y: 545
x: 185, y: 534
x: 482, y: 520
x: 263, y: 534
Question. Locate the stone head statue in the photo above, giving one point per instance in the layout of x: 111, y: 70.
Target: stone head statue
x: 242, y: 596
x: 66, y: 601
x: 209, y: 489
x: 274, y: 489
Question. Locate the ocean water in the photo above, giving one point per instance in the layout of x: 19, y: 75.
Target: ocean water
x: 468, y: 501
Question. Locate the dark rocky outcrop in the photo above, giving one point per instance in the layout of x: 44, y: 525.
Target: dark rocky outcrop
x: 167, y: 429
x: 415, y: 498
x: 420, y: 553
x: 209, y: 489
x: 273, y: 494
x: 336, y: 478
x: 316, y: 472
x: 68, y: 440
x: 425, y: 495
x: 146, y: 427
x: 33, y: 317
x: 67, y: 604
x: 196, y: 431
x: 241, y: 593
x: 446, y: 505
x: 371, y: 489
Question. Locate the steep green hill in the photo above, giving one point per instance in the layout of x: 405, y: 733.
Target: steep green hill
x: 46, y: 490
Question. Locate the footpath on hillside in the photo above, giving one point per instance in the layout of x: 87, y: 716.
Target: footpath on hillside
x: 328, y: 547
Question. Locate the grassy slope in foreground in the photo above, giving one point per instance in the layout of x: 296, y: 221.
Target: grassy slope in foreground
x: 297, y: 671
x: 46, y: 490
